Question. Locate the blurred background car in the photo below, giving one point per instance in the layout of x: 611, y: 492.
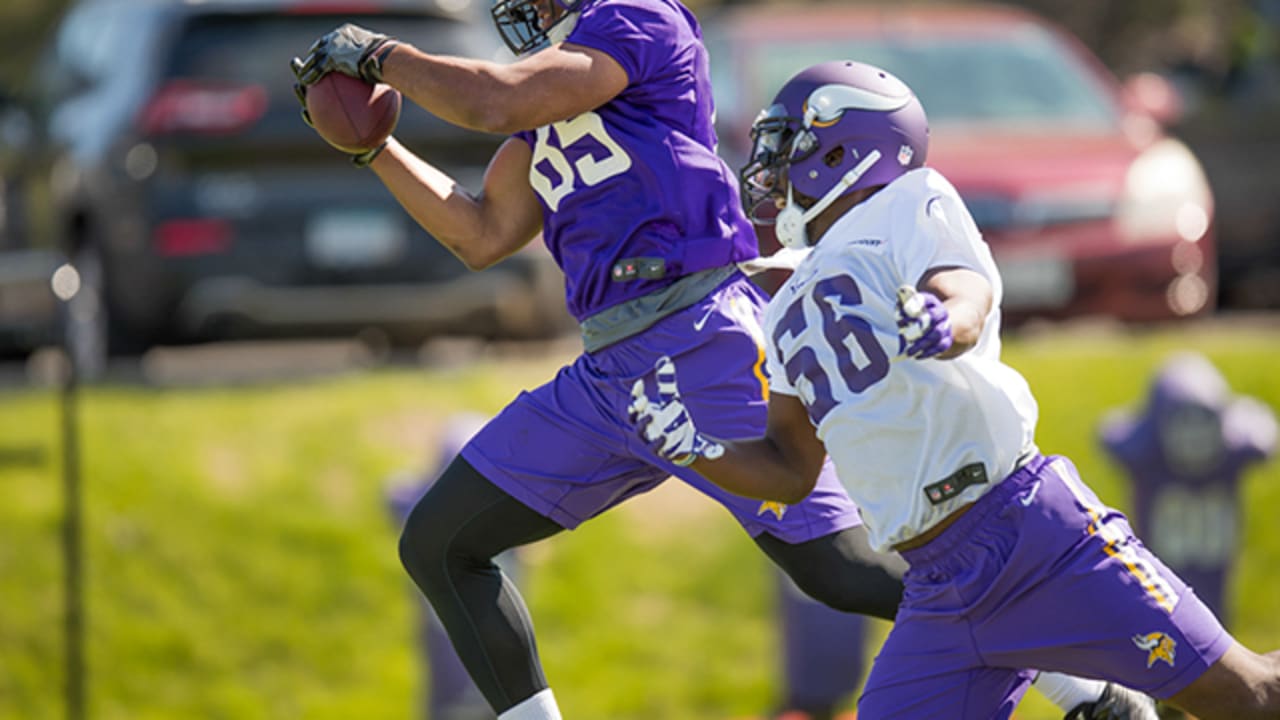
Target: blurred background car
x: 158, y: 145
x: 1090, y: 208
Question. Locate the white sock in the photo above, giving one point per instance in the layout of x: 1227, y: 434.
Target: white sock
x: 1066, y: 691
x: 541, y: 706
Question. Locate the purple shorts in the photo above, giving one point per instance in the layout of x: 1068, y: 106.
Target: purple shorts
x: 568, y: 450
x: 1037, y: 574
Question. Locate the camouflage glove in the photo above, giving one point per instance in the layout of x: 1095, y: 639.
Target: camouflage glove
x: 664, y: 424
x: 1117, y: 703
x: 350, y: 50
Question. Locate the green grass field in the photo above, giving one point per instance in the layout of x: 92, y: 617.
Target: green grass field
x: 241, y: 562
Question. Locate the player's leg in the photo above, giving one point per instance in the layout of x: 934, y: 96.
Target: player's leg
x: 448, y: 545
x: 1066, y: 586
x: 448, y: 692
x: 550, y: 460
x: 937, y: 676
x: 930, y: 665
x: 842, y: 568
x: 839, y: 569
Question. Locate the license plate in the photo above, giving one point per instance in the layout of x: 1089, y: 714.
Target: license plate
x: 344, y: 239
x: 1031, y: 281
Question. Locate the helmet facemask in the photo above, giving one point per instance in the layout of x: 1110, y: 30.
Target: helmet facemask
x: 763, y: 178
x: 520, y: 24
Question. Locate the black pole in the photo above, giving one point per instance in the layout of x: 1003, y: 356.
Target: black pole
x: 71, y: 542
x: 66, y: 287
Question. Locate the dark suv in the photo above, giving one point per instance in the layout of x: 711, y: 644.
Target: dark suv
x: 165, y: 154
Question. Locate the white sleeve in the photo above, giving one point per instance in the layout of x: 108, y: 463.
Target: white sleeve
x: 777, y: 376
x: 772, y: 367
x: 943, y: 235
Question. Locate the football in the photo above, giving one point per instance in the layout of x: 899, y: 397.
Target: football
x: 352, y: 115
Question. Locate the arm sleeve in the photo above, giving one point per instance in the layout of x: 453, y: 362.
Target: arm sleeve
x: 943, y: 234
x: 777, y: 376
x: 630, y: 34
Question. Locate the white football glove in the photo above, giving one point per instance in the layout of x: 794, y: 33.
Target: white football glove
x: 664, y: 423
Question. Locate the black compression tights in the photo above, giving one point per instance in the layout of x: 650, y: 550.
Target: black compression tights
x: 464, y: 521
x: 842, y: 571
x: 448, y: 545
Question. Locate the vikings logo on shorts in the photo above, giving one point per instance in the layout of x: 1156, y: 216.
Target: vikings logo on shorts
x: 1158, y: 645
x: 777, y: 508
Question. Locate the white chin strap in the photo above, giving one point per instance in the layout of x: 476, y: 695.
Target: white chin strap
x: 791, y: 225
x: 561, y: 30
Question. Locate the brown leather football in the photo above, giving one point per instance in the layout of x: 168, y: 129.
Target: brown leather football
x: 353, y: 115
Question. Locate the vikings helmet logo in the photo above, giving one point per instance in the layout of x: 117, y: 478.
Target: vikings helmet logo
x: 1158, y: 646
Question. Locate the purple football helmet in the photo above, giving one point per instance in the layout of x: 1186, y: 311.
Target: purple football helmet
x: 833, y: 128
x: 520, y: 22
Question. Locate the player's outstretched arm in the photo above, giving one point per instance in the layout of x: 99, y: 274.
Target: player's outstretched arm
x: 558, y: 83
x: 782, y: 466
x: 479, y: 229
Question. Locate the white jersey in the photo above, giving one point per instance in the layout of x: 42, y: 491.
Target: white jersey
x: 912, y: 440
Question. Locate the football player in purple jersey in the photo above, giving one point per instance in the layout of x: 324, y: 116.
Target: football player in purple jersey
x: 611, y: 158
x: 1185, y: 454
x: 823, y: 654
x: 884, y: 358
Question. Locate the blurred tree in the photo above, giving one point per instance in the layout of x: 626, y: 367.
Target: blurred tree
x: 23, y: 26
x: 1138, y: 34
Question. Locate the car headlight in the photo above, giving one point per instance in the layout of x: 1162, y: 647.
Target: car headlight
x: 1165, y: 195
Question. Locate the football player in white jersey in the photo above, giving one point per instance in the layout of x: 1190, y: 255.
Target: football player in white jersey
x: 884, y: 353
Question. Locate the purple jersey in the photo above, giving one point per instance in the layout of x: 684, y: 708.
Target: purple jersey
x: 638, y: 178
x: 1185, y: 454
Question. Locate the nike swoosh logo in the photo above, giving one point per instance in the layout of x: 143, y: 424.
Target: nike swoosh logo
x: 1031, y: 495
x: 697, y: 326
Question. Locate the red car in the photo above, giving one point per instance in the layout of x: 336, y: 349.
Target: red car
x: 1089, y: 207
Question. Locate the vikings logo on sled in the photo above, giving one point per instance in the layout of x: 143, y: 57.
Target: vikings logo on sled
x: 1158, y: 645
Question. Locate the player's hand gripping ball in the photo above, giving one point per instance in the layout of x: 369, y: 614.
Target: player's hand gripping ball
x: 924, y: 326
x: 350, y: 50
x: 664, y: 423
x: 350, y: 114
x: 342, y: 96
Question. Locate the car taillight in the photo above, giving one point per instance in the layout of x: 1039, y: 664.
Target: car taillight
x: 192, y: 236
x: 188, y: 106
